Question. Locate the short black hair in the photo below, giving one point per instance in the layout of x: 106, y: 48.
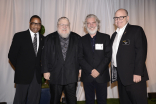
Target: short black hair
x: 35, y: 16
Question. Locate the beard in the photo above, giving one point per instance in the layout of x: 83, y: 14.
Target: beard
x: 92, y: 32
x: 64, y: 35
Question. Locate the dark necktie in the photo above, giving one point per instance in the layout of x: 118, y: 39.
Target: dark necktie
x: 35, y: 43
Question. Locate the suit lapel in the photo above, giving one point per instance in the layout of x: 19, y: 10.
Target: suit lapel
x: 30, y: 41
x: 97, y: 37
x: 113, y: 37
x: 58, y: 47
x: 70, y: 47
x: 124, y: 34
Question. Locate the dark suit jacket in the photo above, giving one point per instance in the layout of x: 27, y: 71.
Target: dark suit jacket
x: 23, y: 58
x: 99, y: 59
x: 62, y: 72
x: 131, y: 55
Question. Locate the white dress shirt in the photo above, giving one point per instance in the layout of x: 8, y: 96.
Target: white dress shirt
x: 32, y: 37
x: 116, y: 44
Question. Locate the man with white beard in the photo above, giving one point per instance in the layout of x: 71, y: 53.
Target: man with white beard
x: 94, y: 57
x: 60, y: 62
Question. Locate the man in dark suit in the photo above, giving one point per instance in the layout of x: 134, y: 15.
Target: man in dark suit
x: 94, y: 57
x: 129, y: 46
x: 25, y: 56
x: 60, y: 62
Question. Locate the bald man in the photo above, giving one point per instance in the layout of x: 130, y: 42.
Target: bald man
x: 129, y: 50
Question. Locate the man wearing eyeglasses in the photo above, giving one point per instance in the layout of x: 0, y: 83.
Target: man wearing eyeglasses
x: 60, y: 63
x: 129, y: 50
x: 94, y: 57
x: 25, y: 56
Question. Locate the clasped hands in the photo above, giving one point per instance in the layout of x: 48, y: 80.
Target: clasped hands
x: 136, y: 78
x: 47, y: 76
x: 95, y: 73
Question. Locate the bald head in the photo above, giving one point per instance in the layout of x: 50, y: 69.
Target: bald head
x: 123, y: 10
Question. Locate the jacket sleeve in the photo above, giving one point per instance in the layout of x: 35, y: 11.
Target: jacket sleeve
x: 44, y: 57
x: 140, y: 51
x: 14, y: 50
x: 107, y: 56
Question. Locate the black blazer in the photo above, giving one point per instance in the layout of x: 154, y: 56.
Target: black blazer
x: 62, y: 72
x: 99, y: 59
x: 23, y: 58
x: 131, y: 55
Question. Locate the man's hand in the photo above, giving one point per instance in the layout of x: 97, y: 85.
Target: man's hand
x: 95, y: 73
x: 79, y: 74
x: 47, y: 76
x: 136, y: 78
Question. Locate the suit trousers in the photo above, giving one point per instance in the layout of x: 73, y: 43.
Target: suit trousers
x: 101, y: 92
x: 69, y: 91
x: 132, y: 94
x: 28, y: 93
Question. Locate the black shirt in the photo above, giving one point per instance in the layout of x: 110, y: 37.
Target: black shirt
x: 93, y: 42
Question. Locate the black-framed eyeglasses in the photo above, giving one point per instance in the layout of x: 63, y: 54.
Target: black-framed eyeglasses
x: 33, y: 24
x: 120, y: 18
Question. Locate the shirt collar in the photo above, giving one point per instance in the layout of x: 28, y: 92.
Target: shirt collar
x: 122, y: 29
x: 93, y: 36
x: 32, y: 33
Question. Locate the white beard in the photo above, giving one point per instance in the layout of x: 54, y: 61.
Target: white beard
x: 92, y: 32
x: 64, y: 35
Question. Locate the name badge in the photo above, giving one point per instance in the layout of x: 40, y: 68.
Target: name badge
x: 98, y: 46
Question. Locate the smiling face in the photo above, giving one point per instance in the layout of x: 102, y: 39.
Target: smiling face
x: 35, y: 25
x: 121, y: 23
x: 63, y: 28
x: 91, y: 26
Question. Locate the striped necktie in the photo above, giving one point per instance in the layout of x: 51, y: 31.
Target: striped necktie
x: 35, y: 43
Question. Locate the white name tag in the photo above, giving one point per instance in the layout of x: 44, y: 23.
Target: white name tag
x: 98, y: 46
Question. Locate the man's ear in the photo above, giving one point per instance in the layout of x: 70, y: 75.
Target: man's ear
x: 127, y: 18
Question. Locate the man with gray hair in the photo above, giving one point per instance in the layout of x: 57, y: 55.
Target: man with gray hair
x: 94, y: 57
x: 60, y: 63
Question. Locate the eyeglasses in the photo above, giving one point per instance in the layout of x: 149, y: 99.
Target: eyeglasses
x: 120, y: 18
x: 33, y: 24
x: 62, y: 25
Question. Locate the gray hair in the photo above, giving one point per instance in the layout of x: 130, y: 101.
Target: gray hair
x: 96, y: 19
x: 61, y: 19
